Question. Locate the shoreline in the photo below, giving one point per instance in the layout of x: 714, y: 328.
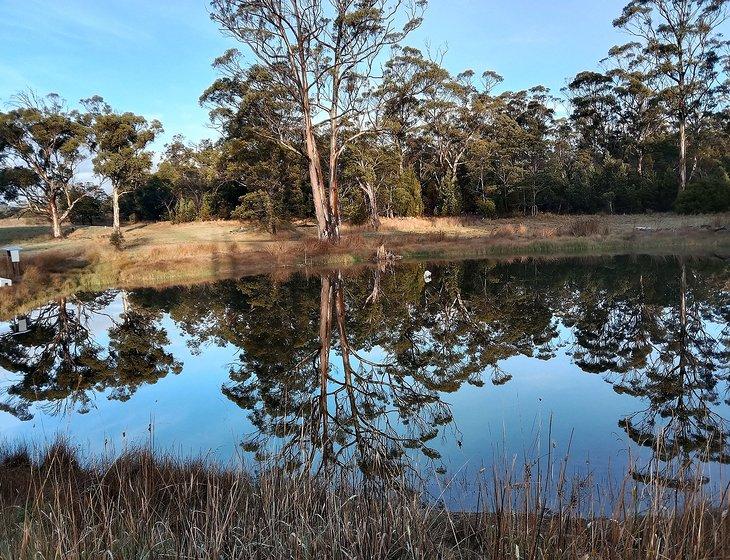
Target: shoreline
x: 161, y: 255
x: 59, y: 501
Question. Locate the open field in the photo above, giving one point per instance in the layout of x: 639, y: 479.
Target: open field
x: 164, y: 254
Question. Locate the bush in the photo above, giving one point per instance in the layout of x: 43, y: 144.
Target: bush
x: 207, y: 208
x: 185, y: 211
x: 486, y: 208
x: 257, y: 207
x: 116, y: 240
x: 583, y: 227
x: 407, y: 200
x: 707, y: 195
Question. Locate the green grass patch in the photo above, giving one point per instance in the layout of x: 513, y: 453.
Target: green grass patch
x: 9, y: 235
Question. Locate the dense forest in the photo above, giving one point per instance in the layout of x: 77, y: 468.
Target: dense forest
x: 326, y: 112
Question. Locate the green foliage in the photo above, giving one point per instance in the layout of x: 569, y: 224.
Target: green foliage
x: 90, y: 209
x: 119, y: 142
x: 185, y: 211
x: 207, y: 207
x: 353, y: 209
x: 486, y: 208
x: 706, y: 195
x: 151, y: 201
x: 41, y: 144
x: 407, y: 200
x: 259, y: 208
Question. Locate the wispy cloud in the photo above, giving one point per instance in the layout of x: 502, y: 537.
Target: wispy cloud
x: 86, y: 22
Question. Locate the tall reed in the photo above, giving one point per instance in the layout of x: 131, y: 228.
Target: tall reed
x: 56, y: 505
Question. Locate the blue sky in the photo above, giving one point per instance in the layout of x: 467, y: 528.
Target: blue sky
x: 154, y: 57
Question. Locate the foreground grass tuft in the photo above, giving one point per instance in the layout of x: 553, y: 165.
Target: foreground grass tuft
x: 54, y: 505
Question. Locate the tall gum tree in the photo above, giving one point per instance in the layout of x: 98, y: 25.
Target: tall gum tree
x: 43, y: 143
x: 323, y: 55
x: 119, y: 141
x: 679, y: 39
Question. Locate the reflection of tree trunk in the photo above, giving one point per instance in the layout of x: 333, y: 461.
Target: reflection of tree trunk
x: 683, y: 384
x: 325, y: 340
x: 346, y: 365
x: 683, y: 321
x: 64, y: 333
x: 373, y: 297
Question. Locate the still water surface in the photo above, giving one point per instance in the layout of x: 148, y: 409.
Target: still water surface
x: 617, y: 362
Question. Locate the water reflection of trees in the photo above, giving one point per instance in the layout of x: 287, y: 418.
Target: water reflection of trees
x: 661, y: 336
x: 359, y: 364
x: 62, y: 364
x: 363, y: 362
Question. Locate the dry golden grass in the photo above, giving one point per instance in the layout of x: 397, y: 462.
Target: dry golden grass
x: 584, y: 227
x: 164, y: 254
x: 54, y: 505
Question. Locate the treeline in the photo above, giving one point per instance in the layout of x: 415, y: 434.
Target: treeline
x: 319, y: 127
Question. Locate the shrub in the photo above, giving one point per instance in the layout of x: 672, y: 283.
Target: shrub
x: 583, y: 227
x: 257, y: 207
x: 407, y: 200
x: 207, y: 207
x: 116, y: 240
x: 184, y: 211
x: 486, y: 208
x: 706, y: 195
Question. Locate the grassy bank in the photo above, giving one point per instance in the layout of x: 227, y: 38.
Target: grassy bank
x: 141, y: 506
x: 163, y: 254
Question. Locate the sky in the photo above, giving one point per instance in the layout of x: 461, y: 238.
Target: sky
x: 153, y: 57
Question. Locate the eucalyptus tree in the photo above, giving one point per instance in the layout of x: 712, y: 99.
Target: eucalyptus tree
x: 44, y: 143
x: 255, y: 126
x: 119, y: 142
x: 371, y: 171
x: 680, y: 42
x: 193, y: 170
x: 451, y: 114
x: 408, y: 75
x: 640, y: 115
x: 498, y: 156
x: 511, y: 151
x: 534, y: 114
x: 322, y: 57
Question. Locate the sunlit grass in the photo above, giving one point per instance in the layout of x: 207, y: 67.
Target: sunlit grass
x: 163, y: 254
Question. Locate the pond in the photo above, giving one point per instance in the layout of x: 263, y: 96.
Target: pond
x: 619, y: 364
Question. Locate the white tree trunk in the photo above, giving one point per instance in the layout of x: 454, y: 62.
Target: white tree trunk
x: 115, y: 209
x: 55, y: 219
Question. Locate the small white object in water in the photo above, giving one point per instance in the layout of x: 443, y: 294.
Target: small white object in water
x: 5, y: 282
x: 427, y: 276
x: 21, y: 325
